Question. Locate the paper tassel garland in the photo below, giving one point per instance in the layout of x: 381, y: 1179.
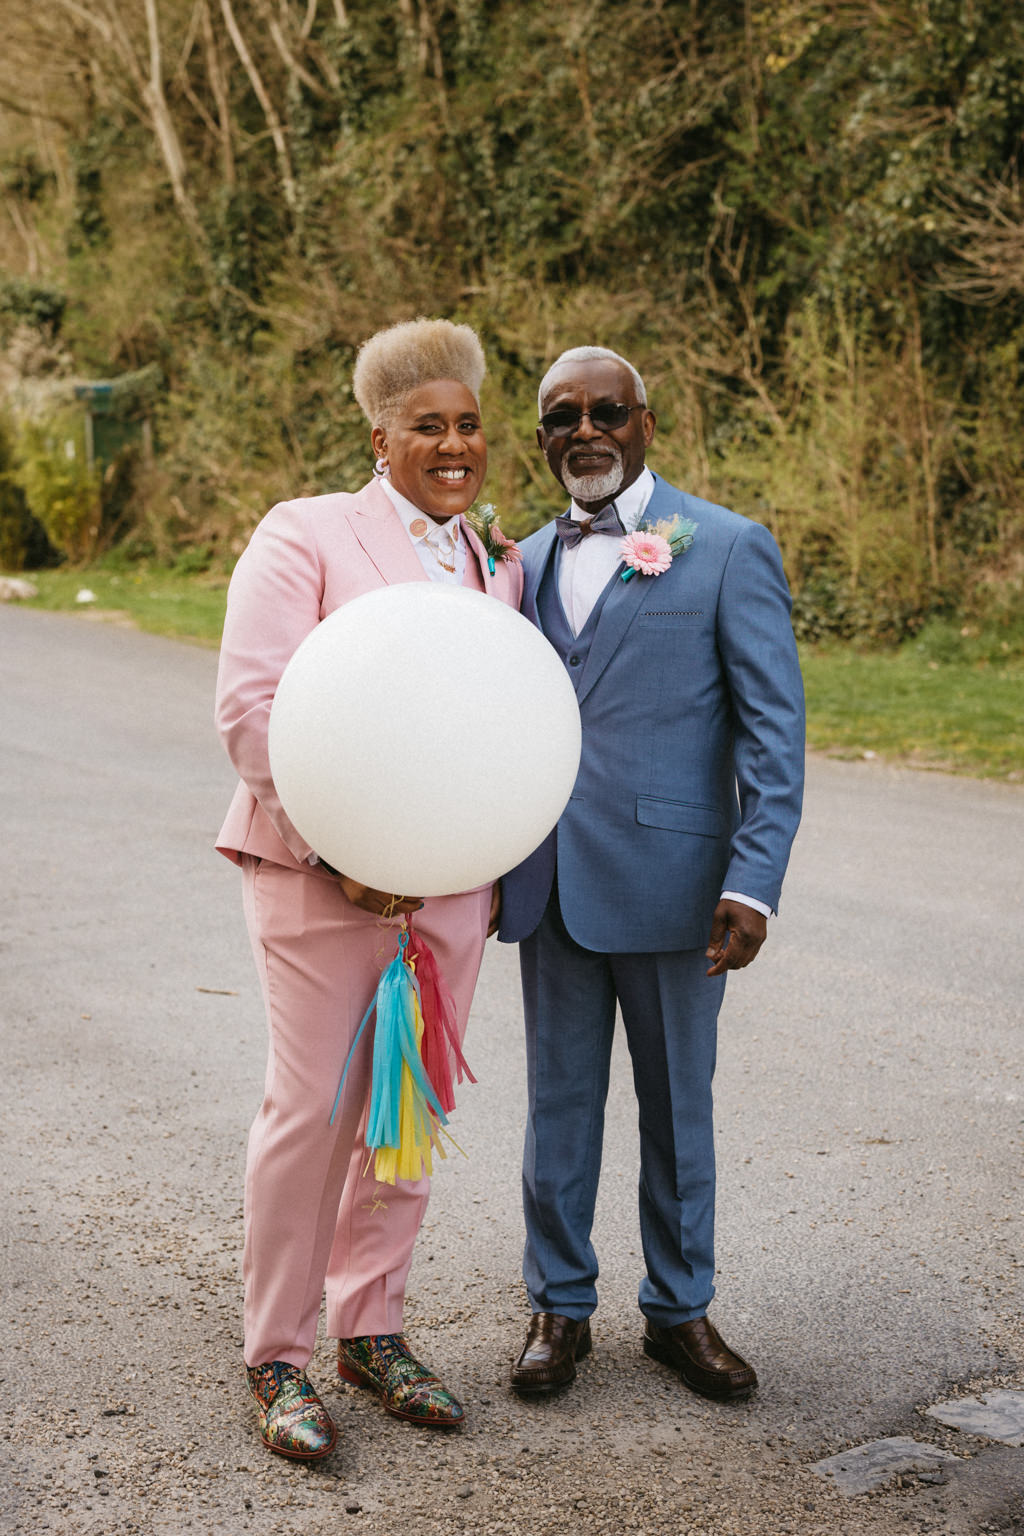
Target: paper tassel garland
x: 415, y: 1041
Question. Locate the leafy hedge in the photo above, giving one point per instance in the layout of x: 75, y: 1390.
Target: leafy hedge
x: 802, y: 223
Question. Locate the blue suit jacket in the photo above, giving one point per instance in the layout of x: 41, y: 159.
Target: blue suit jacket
x: 691, y: 776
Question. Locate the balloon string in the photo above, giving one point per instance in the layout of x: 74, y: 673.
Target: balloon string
x: 384, y: 924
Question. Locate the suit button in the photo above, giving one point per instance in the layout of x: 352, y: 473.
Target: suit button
x: 574, y: 661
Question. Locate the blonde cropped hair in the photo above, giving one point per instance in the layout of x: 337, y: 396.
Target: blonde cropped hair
x: 398, y: 360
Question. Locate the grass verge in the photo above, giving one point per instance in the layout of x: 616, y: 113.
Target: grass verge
x: 183, y: 605
x: 952, y: 699
x: 962, y: 716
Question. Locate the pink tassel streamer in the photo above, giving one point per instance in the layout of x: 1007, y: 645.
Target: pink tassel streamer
x: 440, y: 1044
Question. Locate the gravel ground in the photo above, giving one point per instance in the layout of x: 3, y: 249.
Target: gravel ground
x: 869, y: 1107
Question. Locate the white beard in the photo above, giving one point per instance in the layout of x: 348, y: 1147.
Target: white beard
x: 591, y: 488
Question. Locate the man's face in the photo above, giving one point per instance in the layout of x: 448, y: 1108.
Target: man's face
x: 593, y: 462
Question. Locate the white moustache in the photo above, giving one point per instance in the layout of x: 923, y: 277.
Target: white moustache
x: 602, y: 484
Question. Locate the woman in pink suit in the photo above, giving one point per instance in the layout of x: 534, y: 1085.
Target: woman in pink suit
x: 313, y: 1217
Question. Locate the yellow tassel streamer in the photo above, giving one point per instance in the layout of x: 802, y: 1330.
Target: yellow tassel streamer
x: 412, y: 1157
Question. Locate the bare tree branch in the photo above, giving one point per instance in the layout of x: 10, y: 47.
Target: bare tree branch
x: 218, y: 85
x: 30, y: 109
x: 165, y: 129
x: 27, y: 233
x: 189, y: 42
x: 107, y: 19
x: 288, y: 58
x: 263, y: 97
x: 89, y: 17
x: 988, y: 234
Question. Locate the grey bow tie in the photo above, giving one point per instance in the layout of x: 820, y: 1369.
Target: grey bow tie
x: 570, y: 532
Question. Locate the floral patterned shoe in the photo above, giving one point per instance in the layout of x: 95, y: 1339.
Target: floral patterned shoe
x: 293, y: 1420
x: 407, y: 1389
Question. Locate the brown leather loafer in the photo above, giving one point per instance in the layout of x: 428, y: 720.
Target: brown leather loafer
x: 548, y: 1361
x: 705, y: 1362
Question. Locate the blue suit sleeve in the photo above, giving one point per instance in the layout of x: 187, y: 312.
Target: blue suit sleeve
x: 758, y: 650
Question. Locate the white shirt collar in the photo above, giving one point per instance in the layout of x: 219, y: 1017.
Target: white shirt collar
x: 411, y: 514
x: 630, y: 503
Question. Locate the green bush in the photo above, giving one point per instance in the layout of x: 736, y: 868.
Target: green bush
x: 63, y: 492
x: 23, y: 541
x: 826, y: 607
x: 38, y: 304
x: 992, y: 643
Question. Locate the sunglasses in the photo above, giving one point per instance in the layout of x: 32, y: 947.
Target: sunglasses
x: 603, y: 418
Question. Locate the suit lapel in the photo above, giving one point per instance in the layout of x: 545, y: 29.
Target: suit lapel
x: 540, y: 550
x: 476, y: 551
x: 624, y: 600
x: 379, y: 530
x: 620, y: 607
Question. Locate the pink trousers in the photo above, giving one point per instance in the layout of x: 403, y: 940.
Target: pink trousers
x: 314, y: 1218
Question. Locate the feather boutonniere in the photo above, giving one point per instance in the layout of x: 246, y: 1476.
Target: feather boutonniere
x: 483, y: 520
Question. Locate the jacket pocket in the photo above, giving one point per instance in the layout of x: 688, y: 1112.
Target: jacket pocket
x: 673, y: 615
x: 678, y: 816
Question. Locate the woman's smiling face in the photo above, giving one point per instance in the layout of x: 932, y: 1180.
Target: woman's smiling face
x: 435, y: 448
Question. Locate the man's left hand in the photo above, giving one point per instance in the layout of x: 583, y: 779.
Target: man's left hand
x: 737, y: 933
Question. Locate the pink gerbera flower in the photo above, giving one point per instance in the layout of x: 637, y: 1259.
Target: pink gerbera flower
x: 510, y: 546
x: 647, y: 553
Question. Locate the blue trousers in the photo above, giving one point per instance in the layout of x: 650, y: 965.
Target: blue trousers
x: 670, y: 1012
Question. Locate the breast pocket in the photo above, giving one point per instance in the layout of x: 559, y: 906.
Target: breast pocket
x: 678, y: 816
x: 664, y: 617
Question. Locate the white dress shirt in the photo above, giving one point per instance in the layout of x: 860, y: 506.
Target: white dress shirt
x: 586, y: 569
x: 438, y: 545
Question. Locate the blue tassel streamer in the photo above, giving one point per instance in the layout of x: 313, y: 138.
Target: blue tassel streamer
x: 395, y: 1045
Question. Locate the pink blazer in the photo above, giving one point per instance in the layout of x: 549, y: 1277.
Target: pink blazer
x: 305, y: 559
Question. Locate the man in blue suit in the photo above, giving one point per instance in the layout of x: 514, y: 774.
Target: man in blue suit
x: 662, y: 872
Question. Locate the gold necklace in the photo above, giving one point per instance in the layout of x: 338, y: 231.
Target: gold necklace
x: 442, y: 562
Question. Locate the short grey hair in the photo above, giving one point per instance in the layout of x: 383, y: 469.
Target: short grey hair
x: 586, y: 355
x: 399, y: 359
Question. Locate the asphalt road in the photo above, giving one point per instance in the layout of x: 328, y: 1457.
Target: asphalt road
x: 870, y: 1117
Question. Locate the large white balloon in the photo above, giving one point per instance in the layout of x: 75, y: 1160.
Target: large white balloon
x: 424, y: 739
